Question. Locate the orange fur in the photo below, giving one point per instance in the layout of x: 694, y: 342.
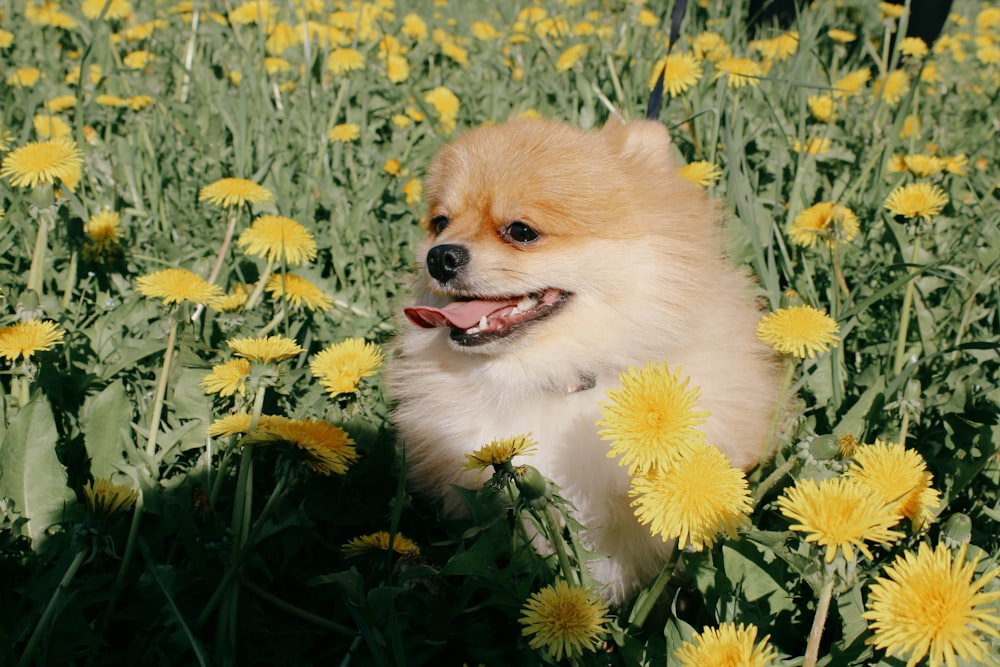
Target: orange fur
x: 638, y: 250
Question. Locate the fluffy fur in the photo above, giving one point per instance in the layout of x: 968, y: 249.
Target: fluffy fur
x: 638, y: 251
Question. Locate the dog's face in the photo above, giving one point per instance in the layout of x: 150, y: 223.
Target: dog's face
x: 531, y: 221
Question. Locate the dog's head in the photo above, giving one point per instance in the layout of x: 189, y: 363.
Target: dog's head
x: 530, y: 220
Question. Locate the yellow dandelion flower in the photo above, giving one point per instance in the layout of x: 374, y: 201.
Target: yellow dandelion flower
x: 50, y: 127
x: 702, y: 172
x: 227, y: 378
x: 392, y: 166
x: 777, y: 48
x: 840, y: 515
x: 278, y: 239
x: 379, y: 542
x: 24, y: 77
x: 988, y: 19
x: 711, y: 46
x: 647, y: 18
x: 929, y: 605
x: 446, y: 104
x: 24, y: 339
x: 413, y: 189
x: 988, y: 54
x: 911, y: 126
x: 570, y: 57
x: 397, y: 69
x: 822, y: 107
x: 813, y: 146
x: 564, y: 620
x: 827, y: 221
x: 229, y: 192
x: 414, y: 27
x: 60, y: 103
x: 48, y: 13
x: 695, y: 498
x: 230, y: 302
x: 455, y: 52
x: 282, y: 38
x: 261, y: 12
x: 913, y: 47
x: 43, y: 162
x: 274, y: 65
x: 680, y: 72
x: 117, y: 9
x: 105, y: 499
x: 899, y: 477
x: 920, y: 164
x: 802, y: 331
x: 345, y: 60
x: 138, y: 59
x: 269, y: 348
x: 344, y: 133
x: 6, y: 39
x: 177, y: 285
x: 841, y: 36
x: 892, y: 87
x: 891, y: 10
x: 103, y: 231
x: 739, y: 72
x: 298, y: 291
x: 652, y: 419
x: 499, y: 452
x: 238, y: 424
x: 341, y: 366
x: 115, y: 101
x: 852, y: 83
x: 916, y: 200
x: 484, y: 31
x: 94, y: 73
x: 139, y: 102
x: 324, y: 447
x: 141, y: 31
x: 729, y: 645
x: 955, y: 164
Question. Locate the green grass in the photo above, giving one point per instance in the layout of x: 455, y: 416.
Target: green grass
x: 234, y: 555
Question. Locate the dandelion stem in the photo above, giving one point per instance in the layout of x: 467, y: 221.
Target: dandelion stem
x: 38, y: 254
x: 776, y: 476
x: 904, y: 315
x: 50, y: 608
x: 223, y: 249
x: 259, y: 287
x: 70, y: 279
x: 652, y: 595
x: 816, y: 633
x: 161, y: 391
x: 240, y: 519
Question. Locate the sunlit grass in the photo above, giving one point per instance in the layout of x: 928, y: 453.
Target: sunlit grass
x: 233, y: 549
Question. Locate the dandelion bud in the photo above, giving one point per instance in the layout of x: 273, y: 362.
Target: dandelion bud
x: 825, y: 447
x: 530, y: 483
x: 957, y: 530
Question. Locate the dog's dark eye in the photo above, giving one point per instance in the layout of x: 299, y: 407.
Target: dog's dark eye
x: 438, y: 223
x: 520, y: 233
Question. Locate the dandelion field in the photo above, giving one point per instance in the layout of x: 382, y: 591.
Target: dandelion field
x: 209, y: 214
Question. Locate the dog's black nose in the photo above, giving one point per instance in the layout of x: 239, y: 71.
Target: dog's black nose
x: 444, y: 261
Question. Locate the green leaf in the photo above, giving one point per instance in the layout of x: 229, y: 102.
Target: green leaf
x: 30, y: 472
x: 106, y: 420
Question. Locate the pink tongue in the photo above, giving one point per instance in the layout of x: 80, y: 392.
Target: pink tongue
x: 458, y: 314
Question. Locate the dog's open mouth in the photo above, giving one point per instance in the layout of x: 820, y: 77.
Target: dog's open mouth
x: 477, y: 321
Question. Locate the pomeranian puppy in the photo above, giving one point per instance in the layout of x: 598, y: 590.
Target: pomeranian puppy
x: 555, y: 259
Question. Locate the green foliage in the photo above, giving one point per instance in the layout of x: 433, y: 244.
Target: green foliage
x: 235, y: 552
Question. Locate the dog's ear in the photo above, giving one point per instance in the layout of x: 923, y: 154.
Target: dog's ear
x: 644, y: 140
